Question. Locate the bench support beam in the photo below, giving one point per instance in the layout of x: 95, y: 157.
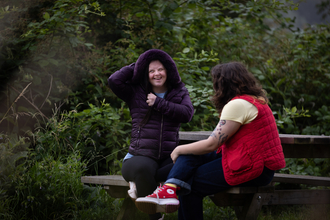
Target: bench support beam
x: 128, y: 210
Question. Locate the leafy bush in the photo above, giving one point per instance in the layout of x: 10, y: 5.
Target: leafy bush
x: 13, y: 150
x: 322, y: 126
x: 47, y: 183
x: 100, y: 134
x: 307, y: 166
x: 59, y: 54
x: 51, y: 189
x: 194, y: 71
x: 48, y: 188
x: 287, y: 120
x: 40, y: 56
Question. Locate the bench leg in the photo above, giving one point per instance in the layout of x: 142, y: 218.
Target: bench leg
x: 251, y: 208
x: 128, y: 210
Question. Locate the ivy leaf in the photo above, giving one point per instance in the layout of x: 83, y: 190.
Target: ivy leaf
x: 255, y: 70
x: 43, y: 63
x: 294, y: 110
x: 89, y: 44
x: 139, y: 14
x: 53, y: 61
x: 46, y: 16
x: 186, y: 50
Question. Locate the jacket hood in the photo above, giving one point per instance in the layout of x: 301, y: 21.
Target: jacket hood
x: 144, y: 60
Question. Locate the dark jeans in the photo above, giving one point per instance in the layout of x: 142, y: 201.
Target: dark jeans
x: 146, y: 173
x: 202, y: 175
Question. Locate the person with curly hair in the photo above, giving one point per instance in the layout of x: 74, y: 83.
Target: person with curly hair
x: 243, y: 150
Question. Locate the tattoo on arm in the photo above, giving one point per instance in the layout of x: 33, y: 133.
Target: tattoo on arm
x: 223, y: 139
x: 219, y: 141
x: 214, y: 133
x: 217, y: 131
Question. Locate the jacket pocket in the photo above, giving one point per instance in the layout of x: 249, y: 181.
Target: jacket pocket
x: 239, y: 160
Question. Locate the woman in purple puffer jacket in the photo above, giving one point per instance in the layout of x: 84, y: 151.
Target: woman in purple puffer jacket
x: 158, y: 102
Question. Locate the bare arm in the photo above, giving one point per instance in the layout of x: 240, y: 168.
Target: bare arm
x: 222, y: 132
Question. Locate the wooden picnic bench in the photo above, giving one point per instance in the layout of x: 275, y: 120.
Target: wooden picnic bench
x: 247, y: 201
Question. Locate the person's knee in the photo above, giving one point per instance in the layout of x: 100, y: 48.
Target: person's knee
x: 142, y: 171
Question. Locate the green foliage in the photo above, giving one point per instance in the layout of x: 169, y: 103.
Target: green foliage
x: 323, y: 123
x: 94, y: 86
x: 287, y: 120
x: 305, y: 166
x: 49, y: 187
x: 42, y: 55
x: 59, y: 54
x: 292, y: 65
x: 194, y: 69
x: 205, y: 116
x: 214, y: 212
x: 12, y: 150
x: 99, y: 133
x: 47, y: 183
x: 65, y: 21
x: 63, y: 66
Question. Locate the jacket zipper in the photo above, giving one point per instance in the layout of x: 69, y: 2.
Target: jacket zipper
x: 138, y: 141
x: 161, y: 135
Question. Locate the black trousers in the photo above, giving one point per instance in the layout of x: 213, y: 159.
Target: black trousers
x: 146, y: 173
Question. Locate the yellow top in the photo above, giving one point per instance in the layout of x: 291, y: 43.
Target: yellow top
x: 239, y: 110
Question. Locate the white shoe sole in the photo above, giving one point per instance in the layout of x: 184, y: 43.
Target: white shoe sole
x: 152, y: 205
x: 132, y: 191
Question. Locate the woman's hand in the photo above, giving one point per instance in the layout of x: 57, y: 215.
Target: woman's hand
x: 151, y: 99
x: 175, y: 154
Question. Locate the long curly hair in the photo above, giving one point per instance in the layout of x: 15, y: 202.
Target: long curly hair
x: 233, y: 79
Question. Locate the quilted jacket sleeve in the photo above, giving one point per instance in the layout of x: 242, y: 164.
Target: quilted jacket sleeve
x: 119, y: 82
x: 179, y: 108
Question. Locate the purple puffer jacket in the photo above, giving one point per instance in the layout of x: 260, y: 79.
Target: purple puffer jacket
x: 160, y: 135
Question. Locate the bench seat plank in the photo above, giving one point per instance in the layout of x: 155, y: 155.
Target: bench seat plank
x: 118, y: 180
x: 250, y: 189
x: 278, y: 197
x: 301, y: 179
x: 295, y: 197
x: 107, y: 180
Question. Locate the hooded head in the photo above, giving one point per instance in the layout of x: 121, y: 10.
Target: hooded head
x: 141, y: 68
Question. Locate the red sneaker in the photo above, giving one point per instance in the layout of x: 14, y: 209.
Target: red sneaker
x: 164, y: 199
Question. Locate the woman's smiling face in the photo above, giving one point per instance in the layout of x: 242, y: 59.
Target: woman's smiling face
x: 157, y: 76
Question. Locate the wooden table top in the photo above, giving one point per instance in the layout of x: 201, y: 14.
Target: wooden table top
x: 294, y: 146
x: 285, y: 138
